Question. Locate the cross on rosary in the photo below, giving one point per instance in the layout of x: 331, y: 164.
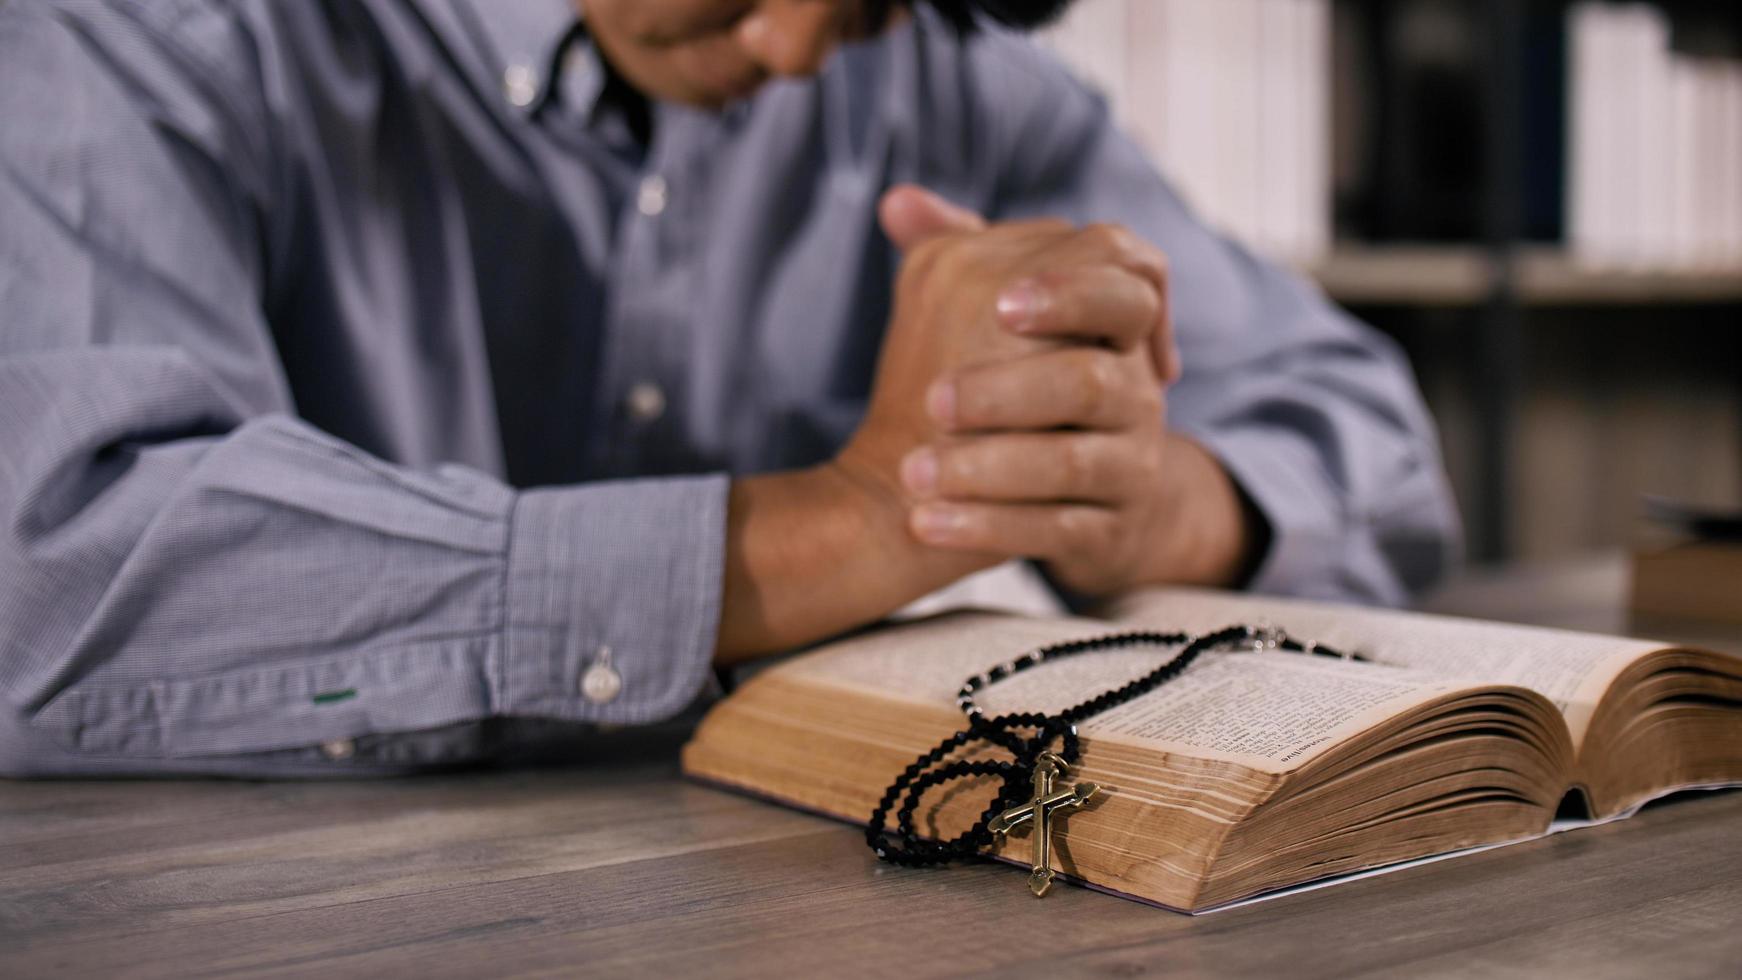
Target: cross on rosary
x: 1039, y: 810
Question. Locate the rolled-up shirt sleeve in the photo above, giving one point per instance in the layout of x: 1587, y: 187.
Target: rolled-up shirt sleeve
x: 1315, y: 415
x: 194, y: 580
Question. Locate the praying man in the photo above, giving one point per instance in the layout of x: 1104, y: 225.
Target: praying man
x: 386, y: 384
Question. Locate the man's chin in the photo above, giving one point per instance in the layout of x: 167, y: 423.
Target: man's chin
x: 718, y: 95
x: 715, y: 86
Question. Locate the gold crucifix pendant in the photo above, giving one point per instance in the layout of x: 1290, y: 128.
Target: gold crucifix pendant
x: 1040, y: 810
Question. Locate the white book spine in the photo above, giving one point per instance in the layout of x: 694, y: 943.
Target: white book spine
x: 1627, y: 96
x: 1281, y: 130
x: 1730, y: 164
x: 1588, y: 28
x: 1188, y: 143
x: 1685, y: 230
x: 1239, y: 118
x: 1711, y: 207
x: 1294, y: 136
x: 1656, y: 176
x: 1316, y: 197
x: 1611, y: 105
x: 1148, y: 52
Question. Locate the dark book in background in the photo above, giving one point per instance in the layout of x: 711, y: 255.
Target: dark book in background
x: 1420, y: 169
x: 1705, y: 28
x: 1544, y: 109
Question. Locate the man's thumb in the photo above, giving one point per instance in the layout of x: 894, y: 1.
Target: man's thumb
x: 910, y: 214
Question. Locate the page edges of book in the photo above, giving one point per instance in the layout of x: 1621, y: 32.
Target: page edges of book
x: 1573, y: 670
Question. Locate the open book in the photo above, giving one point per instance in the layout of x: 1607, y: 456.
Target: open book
x: 1251, y: 771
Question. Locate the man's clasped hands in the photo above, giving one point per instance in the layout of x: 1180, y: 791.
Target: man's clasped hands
x: 1018, y: 411
x: 1020, y: 398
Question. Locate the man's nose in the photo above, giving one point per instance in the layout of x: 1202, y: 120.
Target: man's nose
x: 791, y: 37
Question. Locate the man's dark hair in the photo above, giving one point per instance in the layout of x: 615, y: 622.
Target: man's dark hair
x: 1020, y: 14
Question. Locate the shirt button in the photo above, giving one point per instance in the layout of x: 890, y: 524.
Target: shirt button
x: 646, y: 402
x: 651, y: 199
x: 601, y: 682
x: 339, y: 749
x: 520, y: 85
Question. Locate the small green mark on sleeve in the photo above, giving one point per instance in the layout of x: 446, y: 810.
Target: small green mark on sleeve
x: 333, y: 697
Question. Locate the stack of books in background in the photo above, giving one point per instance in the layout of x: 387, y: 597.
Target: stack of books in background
x: 1230, y: 98
x: 1655, y: 144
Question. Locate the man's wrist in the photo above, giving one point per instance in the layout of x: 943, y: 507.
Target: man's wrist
x: 812, y: 553
x: 1210, y: 534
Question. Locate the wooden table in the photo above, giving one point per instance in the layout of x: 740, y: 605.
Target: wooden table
x: 616, y: 866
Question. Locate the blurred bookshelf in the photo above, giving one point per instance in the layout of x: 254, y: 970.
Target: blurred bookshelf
x: 1540, y: 200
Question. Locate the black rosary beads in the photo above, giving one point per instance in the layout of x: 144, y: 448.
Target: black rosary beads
x: 1030, y: 790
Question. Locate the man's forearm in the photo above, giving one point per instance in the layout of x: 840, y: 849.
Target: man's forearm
x: 812, y: 553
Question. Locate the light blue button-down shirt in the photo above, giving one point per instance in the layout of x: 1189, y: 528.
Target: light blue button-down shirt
x: 297, y: 301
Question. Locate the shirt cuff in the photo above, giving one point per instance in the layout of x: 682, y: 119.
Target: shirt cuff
x: 1284, y: 478
x: 620, y: 577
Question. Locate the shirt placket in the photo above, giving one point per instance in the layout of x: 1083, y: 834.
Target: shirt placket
x: 653, y: 286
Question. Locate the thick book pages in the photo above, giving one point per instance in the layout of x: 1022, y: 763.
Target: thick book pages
x: 1252, y: 771
x: 1644, y: 717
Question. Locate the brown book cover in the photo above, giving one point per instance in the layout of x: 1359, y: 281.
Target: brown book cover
x: 1693, y: 568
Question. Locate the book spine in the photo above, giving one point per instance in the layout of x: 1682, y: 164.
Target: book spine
x: 1188, y: 146
x: 1658, y: 243
x: 1239, y: 119
x: 1684, y: 229
x: 1148, y: 61
x: 1316, y: 192
x: 1731, y: 162
x: 1280, y: 131
x: 1587, y: 25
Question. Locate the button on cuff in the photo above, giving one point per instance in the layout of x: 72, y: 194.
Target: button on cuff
x: 632, y: 564
x: 600, y: 682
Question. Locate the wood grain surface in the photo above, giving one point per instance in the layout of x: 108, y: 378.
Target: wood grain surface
x: 615, y: 866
